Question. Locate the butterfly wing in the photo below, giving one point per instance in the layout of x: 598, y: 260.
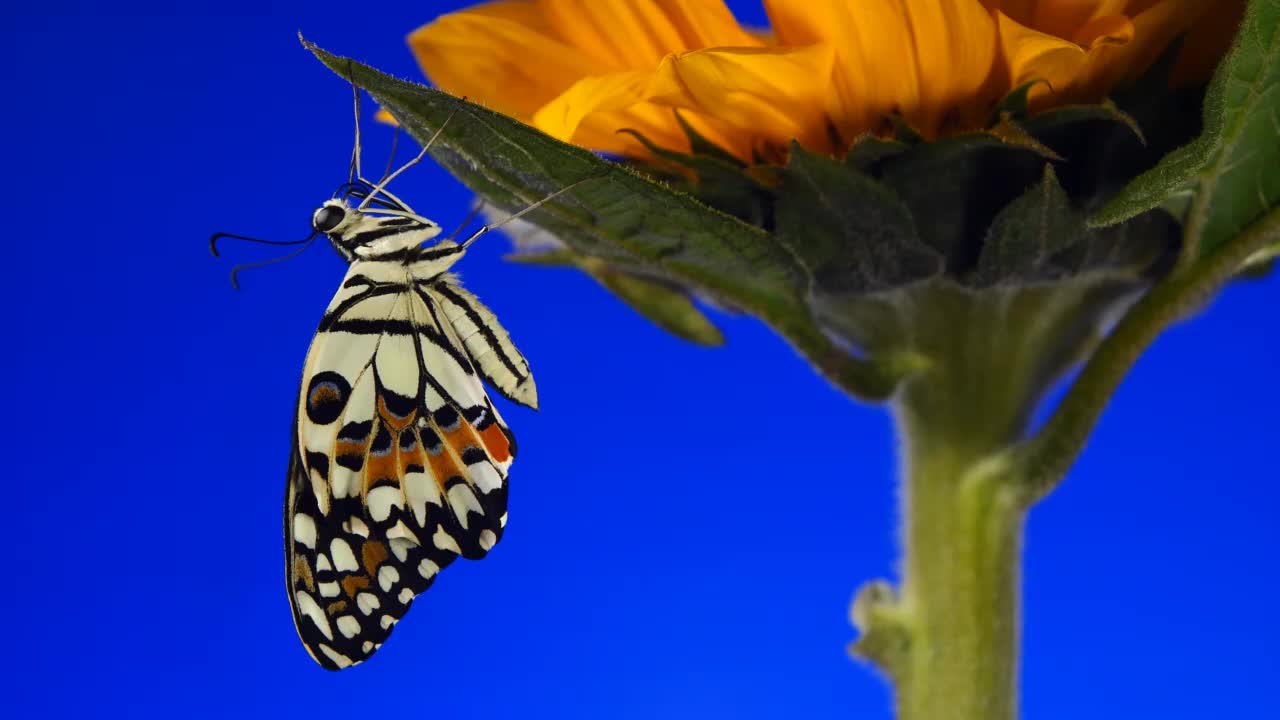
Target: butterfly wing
x: 486, y: 342
x: 399, y: 464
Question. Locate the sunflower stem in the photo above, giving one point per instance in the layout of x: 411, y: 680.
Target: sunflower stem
x: 960, y: 591
x: 948, y: 636
x: 955, y: 618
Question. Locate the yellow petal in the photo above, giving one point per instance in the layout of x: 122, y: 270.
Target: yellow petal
x: 503, y: 55
x: 602, y: 93
x: 1032, y: 55
x: 956, y: 46
x: 637, y: 34
x: 1114, y: 65
x: 1104, y: 30
x: 1064, y: 64
x: 776, y: 92
x: 595, y: 109
x: 918, y: 57
x: 1060, y: 18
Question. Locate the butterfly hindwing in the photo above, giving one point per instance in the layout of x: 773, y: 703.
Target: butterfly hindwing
x: 399, y: 462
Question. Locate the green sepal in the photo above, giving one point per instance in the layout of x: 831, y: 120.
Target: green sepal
x: 1015, y: 103
x: 852, y: 233
x: 867, y: 152
x: 665, y: 305
x: 1071, y: 117
x: 1042, y: 237
x: 954, y: 187
x: 1010, y: 131
x: 722, y: 184
x: 699, y: 145
x: 903, y: 131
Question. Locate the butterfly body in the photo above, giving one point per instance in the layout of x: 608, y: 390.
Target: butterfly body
x: 399, y: 460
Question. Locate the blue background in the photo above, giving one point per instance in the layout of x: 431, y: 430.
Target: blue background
x: 672, y: 551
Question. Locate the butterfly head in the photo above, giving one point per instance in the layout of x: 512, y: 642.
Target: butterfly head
x: 335, y: 220
x: 377, y: 233
x: 330, y: 217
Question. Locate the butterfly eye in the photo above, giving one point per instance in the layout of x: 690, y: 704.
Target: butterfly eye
x: 328, y: 218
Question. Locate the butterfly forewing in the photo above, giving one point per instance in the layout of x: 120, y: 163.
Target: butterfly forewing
x: 400, y: 460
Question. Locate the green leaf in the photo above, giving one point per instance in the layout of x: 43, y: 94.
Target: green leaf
x: 851, y: 232
x: 1230, y: 170
x: 608, y: 211
x: 614, y: 213
x: 1242, y: 181
x: 1042, y: 237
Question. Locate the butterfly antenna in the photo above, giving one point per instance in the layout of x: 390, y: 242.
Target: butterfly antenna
x: 476, y: 207
x: 235, y: 271
x: 213, y: 241
x: 417, y: 159
x: 355, y: 101
x: 391, y: 158
x: 476, y: 235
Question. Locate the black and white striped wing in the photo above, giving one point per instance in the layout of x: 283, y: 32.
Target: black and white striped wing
x: 486, y: 342
x: 399, y: 464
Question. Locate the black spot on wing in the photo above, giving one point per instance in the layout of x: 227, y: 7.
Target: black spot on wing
x: 355, y: 432
x: 381, y: 442
x: 327, y: 395
x: 397, y: 404
x: 446, y: 418
x: 473, y: 455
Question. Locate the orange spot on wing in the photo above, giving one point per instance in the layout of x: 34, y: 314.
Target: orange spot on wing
x: 416, y: 456
x: 352, y: 584
x: 443, y: 467
x: 495, y: 441
x: 336, y: 607
x: 381, y: 467
x: 346, y: 447
x: 373, y: 553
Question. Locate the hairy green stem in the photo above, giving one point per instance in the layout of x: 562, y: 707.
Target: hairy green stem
x: 960, y: 588
x: 1044, y: 459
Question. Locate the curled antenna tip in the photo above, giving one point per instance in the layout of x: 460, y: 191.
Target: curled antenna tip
x: 213, y: 244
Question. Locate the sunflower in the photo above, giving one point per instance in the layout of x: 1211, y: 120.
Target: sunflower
x: 829, y: 70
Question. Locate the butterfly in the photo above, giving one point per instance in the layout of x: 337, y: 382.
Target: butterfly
x: 399, y: 458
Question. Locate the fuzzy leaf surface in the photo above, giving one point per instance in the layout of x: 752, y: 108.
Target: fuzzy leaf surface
x: 1041, y: 237
x: 1231, y: 171
x: 852, y: 232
